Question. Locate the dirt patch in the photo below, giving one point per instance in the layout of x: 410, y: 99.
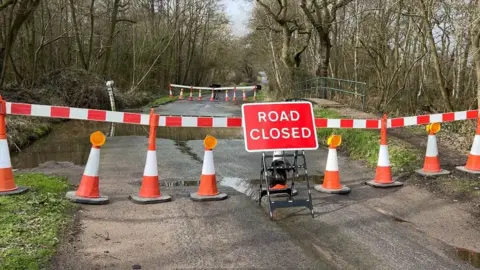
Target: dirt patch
x: 457, y: 187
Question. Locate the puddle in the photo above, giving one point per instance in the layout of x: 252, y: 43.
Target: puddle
x: 469, y: 256
x: 245, y: 186
x: 169, y: 182
x: 189, y: 183
x: 314, y: 179
x: 70, y: 141
x: 250, y: 187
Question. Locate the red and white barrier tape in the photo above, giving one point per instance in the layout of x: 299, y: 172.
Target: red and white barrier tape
x: 119, y: 117
x: 229, y: 122
x: 215, y: 89
x: 432, y: 118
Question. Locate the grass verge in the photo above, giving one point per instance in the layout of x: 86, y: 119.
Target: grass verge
x: 30, y: 223
x: 261, y: 96
x: 161, y: 101
x: 364, y: 144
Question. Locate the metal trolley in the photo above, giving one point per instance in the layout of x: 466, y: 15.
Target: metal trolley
x: 294, y: 171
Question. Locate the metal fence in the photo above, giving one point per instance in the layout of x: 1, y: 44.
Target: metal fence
x: 348, y: 92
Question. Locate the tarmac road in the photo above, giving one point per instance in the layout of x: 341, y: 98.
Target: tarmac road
x: 346, y: 232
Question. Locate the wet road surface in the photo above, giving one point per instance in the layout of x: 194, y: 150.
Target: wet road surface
x: 346, y: 233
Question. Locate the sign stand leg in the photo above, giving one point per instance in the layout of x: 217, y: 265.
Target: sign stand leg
x: 270, y: 172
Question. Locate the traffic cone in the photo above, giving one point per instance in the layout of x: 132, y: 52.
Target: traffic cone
x: 199, y: 94
x: 7, y: 180
x: 207, y: 190
x: 278, y: 155
x: 226, y: 96
x: 88, y: 191
x: 244, y: 95
x: 181, y: 94
x: 473, y: 161
x: 331, y: 180
x: 170, y: 90
x: 211, y: 97
x: 234, y: 94
x: 431, y: 165
x: 150, y: 190
x: 191, y: 94
x: 254, y: 93
x: 383, y: 177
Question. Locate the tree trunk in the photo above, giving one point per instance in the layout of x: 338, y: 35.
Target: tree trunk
x: 476, y: 54
x: 25, y: 9
x: 108, y: 46
x: 324, y: 52
x: 436, y: 61
x: 77, y: 36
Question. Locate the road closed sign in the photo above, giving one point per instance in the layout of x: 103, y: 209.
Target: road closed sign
x: 279, y: 126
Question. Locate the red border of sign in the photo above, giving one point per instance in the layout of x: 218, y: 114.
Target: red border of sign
x: 278, y: 149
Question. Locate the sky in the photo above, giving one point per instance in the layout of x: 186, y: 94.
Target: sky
x: 238, y: 12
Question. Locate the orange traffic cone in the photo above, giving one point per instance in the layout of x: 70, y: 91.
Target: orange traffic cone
x: 226, y: 96
x: 279, y: 161
x: 181, y: 94
x: 244, y: 95
x: 383, y: 177
x: 191, y: 94
x: 234, y: 94
x: 150, y: 189
x: 473, y: 161
x: 331, y: 181
x: 199, y: 95
x: 207, y: 190
x: 7, y: 181
x: 431, y: 165
x: 88, y: 191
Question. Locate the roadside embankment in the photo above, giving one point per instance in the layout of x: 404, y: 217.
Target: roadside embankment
x: 407, y: 148
x: 364, y: 144
x: 66, y: 87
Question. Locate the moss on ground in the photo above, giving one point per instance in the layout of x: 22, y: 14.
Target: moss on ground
x: 363, y: 144
x: 31, y: 222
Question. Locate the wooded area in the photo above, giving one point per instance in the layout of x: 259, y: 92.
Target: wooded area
x: 141, y: 45
x: 411, y: 53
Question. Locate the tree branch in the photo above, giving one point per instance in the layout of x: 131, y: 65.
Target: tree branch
x: 7, y: 3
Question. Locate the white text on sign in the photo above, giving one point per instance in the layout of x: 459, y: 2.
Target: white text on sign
x: 279, y: 125
x: 276, y: 133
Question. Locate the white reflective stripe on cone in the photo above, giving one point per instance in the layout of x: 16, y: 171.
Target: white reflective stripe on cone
x: 432, y: 150
x: 476, y: 146
x: 4, y: 155
x: 151, y: 168
x: 332, y: 162
x: 91, y: 169
x: 383, y: 160
x: 208, y: 166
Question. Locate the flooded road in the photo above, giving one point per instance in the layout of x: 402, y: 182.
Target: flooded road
x: 69, y: 141
x: 342, y: 223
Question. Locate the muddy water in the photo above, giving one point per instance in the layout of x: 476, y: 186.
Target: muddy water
x: 70, y: 141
